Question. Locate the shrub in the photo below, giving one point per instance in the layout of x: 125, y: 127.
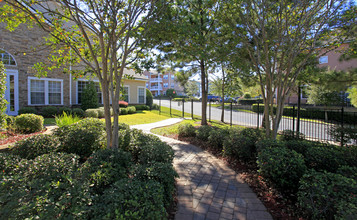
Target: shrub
x: 131, y: 110
x: 89, y: 97
x: 82, y: 138
x: 28, y: 123
x: 9, y: 121
x: 203, y: 132
x: 288, y: 135
x: 123, y: 111
x: 105, y: 167
x: 149, y: 98
x: 128, y: 199
x: 142, y: 107
x: 27, y: 110
x: 247, y: 96
x: 186, y: 130
x: 65, y: 119
x: 155, y: 151
x: 49, y: 112
x: 268, y: 143
x: 216, y: 137
x: 91, y: 113
x: 249, y: 101
x: 100, y: 112
x: 324, y: 195
x: 8, y: 163
x: 350, y: 155
x: 67, y: 110
x: 45, y: 188
x: 123, y: 104
x: 327, y: 157
x: 35, y: 146
x: 155, y: 107
x: 345, y: 134
x: 347, y: 171
x: 282, y: 166
x: 300, y: 146
x: 78, y: 112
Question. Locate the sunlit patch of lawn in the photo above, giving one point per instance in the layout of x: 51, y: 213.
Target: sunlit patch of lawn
x: 49, y: 121
x: 141, y: 117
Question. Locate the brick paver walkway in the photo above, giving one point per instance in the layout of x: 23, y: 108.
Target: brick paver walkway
x: 207, y: 187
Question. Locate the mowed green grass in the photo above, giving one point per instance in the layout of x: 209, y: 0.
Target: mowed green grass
x: 141, y: 117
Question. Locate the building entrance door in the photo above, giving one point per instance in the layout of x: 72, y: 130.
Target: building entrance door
x: 12, y: 92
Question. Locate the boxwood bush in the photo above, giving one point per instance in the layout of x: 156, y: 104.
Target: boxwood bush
x: 203, y: 132
x: 35, y: 146
x: 131, y: 110
x: 123, y: 111
x: 324, y: 195
x: 8, y: 162
x: 186, y: 130
x: 268, y: 143
x: 216, y: 137
x: 282, y: 166
x: 328, y: 158
x: 67, y: 110
x: 28, y: 123
x: 142, y: 107
x: 91, y: 113
x: 27, y: 110
x: 288, y: 135
x: 83, y: 137
x: 78, y: 112
x: 100, y: 112
x: 49, y: 112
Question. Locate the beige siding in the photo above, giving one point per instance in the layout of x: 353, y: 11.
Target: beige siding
x: 133, y: 89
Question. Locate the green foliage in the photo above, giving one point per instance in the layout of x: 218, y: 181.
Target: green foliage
x: 352, y: 95
x: 149, y: 99
x: 216, y: 137
x: 82, y: 138
x: 282, y: 166
x: 268, y: 143
x: 35, y: 146
x: 78, y: 112
x: 249, y: 101
x: 49, y: 112
x: 191, y: 88
x: 100, y: 112
x: 186, y: 130
x: 247, y: 96
x: 8, y: 163
x: 300, y: 146
x: 241, y: 143
x: 288, y: 135
x: 320, y: 95
x: 47, y: 188
x: 89, y: 96
x: 347, y: 171
x: 91, y: 113
x: 123, y: 111
x: 171, y: 93
x: 28, y: 123
x: 104, y: 167
x: 63, y: 120
x: 67, y: 110
x: 27, y: 110
x: 131, y: 110
x: 345, y: 134
x: 324, y: 195
x: 128, y: 199
x: 3, y: 101
x: 327, y: 157
x: 203, y: 132
x: 142, y: 107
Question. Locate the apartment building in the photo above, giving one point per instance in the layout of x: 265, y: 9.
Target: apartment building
x: 159, y: 83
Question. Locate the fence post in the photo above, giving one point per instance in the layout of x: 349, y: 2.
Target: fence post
x: 342, y: 133
x: 210, y: 110
x: 192, y: 108
x: 294, y: 118
x: 183, y: 107
x: 298, y: 111
x: 159, y: 105
x: 170, y: 107
x: 231, y: 112
x: 258, y: 116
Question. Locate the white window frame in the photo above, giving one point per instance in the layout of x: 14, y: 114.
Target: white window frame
x: 86, y: 80
x: 144, y: 95
x: 166, y: 76
x: 173, y: 77
x: 1, y: 58
x: 46, y: 90
x: 323, y: 58
x: 128, y: 92
x: 166, y: 85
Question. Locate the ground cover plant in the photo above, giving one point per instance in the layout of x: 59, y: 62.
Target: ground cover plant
x: 294, y: 177
x: 57, y: 179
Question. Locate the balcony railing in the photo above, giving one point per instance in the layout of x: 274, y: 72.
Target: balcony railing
x: 156, y: 88
x: 156, y: 80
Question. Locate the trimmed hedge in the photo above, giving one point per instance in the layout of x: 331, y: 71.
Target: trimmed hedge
x: 91, y: 113
x: 216, y: 137
x: 249, y: 101
x: 186, y: 130
x: 49, y: 112
x: 27, y: 110
x: 203, y: 132
x: 28, y: 123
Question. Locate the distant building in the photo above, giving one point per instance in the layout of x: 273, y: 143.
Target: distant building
x: 159, y: 83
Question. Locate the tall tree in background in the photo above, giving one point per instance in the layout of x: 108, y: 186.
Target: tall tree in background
x: 102, y: 35
x: 185, y: 35
x: 191, y: 89
x: 281, y: 37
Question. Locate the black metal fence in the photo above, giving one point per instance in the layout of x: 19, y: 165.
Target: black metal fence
x: 316, y: 124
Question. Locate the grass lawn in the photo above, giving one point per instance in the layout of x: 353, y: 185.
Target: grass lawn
x: 142, y: 117
x: 165, y: 111
x: 49, y: 121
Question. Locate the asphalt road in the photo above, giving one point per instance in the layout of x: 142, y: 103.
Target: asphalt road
x: 311, y: 129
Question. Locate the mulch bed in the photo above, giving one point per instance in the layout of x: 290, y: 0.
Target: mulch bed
x: 11, y: 137
x: 279, y: 206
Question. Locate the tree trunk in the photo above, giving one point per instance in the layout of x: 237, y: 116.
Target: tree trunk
x: 223, y: 80
x: 204, y: 93
x: 108, y: 124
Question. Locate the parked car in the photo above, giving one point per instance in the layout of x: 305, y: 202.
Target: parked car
x: 213, y: 98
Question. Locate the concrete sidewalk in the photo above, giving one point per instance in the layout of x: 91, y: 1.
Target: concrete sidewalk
x: 207, y: 187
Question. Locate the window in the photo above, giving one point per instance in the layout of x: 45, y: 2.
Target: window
x: 172, y: 85
x: 126, y: 93
x: 323, y: 59
x: 147, y: 85
x: 141, y: 95
x: 6, y: 58
x: 166, y: 85
x: 172, y: 76
x: 80, y: 87
x: 166, y: 76
x: 45, y: 91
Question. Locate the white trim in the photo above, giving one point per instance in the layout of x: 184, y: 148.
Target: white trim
x: 86, y: 80
x: 15, y: 73
x: 144, y: 95
x: 128, y: 86
x: 12, y: 58
x: 46, y: 90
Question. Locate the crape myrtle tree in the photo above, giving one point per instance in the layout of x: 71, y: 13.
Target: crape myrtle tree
x: 281, y: 38
x: 185, y: 36
x: 102, y: 35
